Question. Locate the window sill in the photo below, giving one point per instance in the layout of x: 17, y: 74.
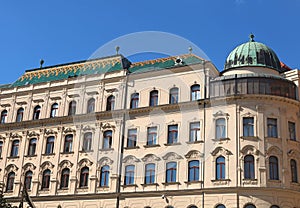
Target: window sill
x: 104, y: 150
x: 274, y: 180
x: 149, y: 184
x: 152, y: 145
x: 129, y: 185
x: 172, y: 144
x: 48, y: 154
x: 277, y: 138
x: 103, y: 187
x: 45, y: 189
x: 195, y: 142
x: 221, y: 139
x: 192, y: 182
x: 250, y: 181
x: 135, y: 147
x: 9, y: 191
x: 63, y: 189
x: 250, y: 138
x: 30, y: 155
x: 220, y: 182
x: 86, y: 151
x: 83, y: 187
x: 13, y: 157
x: 67, y: 153
x: 171, y: 183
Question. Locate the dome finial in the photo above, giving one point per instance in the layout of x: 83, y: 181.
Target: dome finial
x: 251, y: 36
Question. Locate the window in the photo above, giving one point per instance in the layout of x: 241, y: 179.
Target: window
x: 36, y: 112
x: 193, y: 171
x: 195, y: 92
x: 15, y: 148
x: 249, y: 167
x: 91, y: 106
x: 104, y: 176
x: 220, y: 206
x: 1, y: 148
x: 150, y: 173
x: 272, y: 127
x: 172, y: 134
x: 10, y: 181
x: 46, y: 179
x: 131, y: 139
x: 173, y: 95
x: 4, y: 116
x: 249, y: 206
x: 54, y: 110
x: 274, y: 206
x: 153, y: 98
x: 294, y: 171
x: 107, y: 139
x: 129, y: 175
x: 32, y: 147
x: 84, y: 177
x: 20, y: 114
x: 49, y: 145
x: 194, y: 131
x: 171, y: 172
x: 292, y: 131
x: 151, y: 135
x: 72, y: 108
x: 110, y: 104
x: 273, y: 168
x: 220, y: 128
x: 220, y: 168
x: 68, y: 143
x: 193, y: 206
x: 134, y: 102
x: 87, y: 141
x: 65, y: 175
x: 248, y: 126
x: 28, y: 179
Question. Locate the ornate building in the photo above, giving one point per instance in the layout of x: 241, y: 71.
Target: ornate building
x: 170, y: 132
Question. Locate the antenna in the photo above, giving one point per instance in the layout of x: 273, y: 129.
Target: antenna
x: 41, y: 63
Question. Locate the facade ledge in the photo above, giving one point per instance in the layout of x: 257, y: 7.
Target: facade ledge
x: 152, y: 145
x: 172, y: 144
x: 195, y: 142
x: 273, y: 138
x: 250, y: 138
x: 50, y: 154
x: 220, y: 140
x: 129, y: 185
x: 250, y: 181
x: 86, y: 151
x: 171, y: 183
x: 30, y: 155
x: 129, y: 148
x: 67, y: 153
x: 219, y: 182
x: 192, y: 182
x: 106, y: 150
x: 149, y: 184
x: 13, y: 157
x: 274, y: 181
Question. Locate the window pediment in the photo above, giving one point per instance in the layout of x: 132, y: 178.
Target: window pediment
x: 11, y: 167
x: 33, y: 134
x: 28, y: 166
x: 250, y: 149
x: 150, y: 158
x: 274, y: 150
x: 88, y: 128
x: 15, y: 135
x: 69, y: 130
x: 107, y: 126
x: 65, y: 164
x: 84, y: 162
x: 130, y: 159
x: 105, y: 161
x: 50, y: 132
x: 46, y: 165
x: 172, y: 156
x: 193, y: 154
x: 220, y: 114
x: 294, y: 153
x: 220, y: 151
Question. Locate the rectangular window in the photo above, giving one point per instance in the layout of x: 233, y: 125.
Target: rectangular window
x: 248, y: 127
x: 272, y: 127
x: 171, y: 172
x: 172, y: 134
x: 129, y: 175
x: 220, y: 128
x: 150, y: 173
x: 131, y: 139
x: 292, y: 131
x: 194, y: 131
x: 151, y: 135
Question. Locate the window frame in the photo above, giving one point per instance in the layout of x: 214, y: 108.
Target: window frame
x: 28, y: 179
x: 107, y: 139
x: 174, y: 95
x: 54, y: 110
x: 153, y: 98
x: 129, y: 176
x: 104, y: 176
x: 171, y: 169
x: 134, y: 100
x: 10, y: 182
x: 150, y: 173
x: 72, y: 108
x: 15, y: 148
x: 195, y: 132
x: 132, y: 138
x: 195, y: 92
x: 32, y: 147
x: 91, y: 103
x: 46, y: 179
x: 220, y: 168
x: 84, y: 177
x: 152, y: 132
x: 273, y: 168
x: 272, y: 128
x: 49, y: 148
x: 64, y: 178
x: 249, y: 167
x: 193, y: 171
x: 36, y: 112
x: 4, y: 115
x: 248, y: 127
x: 20, y: 115
x: 173, y: 134
x: 110, y: 103
x: 68, y: 143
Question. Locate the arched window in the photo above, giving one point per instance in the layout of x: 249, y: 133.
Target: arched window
x: 173, y: 97
x: 150, y: 173
x: 64, y: 180
x: 46, y: 179
x: 110, y: 103
x: 274, y: 206
x: 32, y: 147
x: 36, y: 112
x: 4, y: 116
x: 28, y: 179
x: 192, y: 206
x: 49, y: 145
x: 193, y: 170
x: 134, y: 102
x: 1, y: 148
x: 249, y: 172
x: 107, y: 139
x: 294, y: 171
x: 195, y: 92
x: 129, y: 175
x: 68, y: 143
x: 172, y: 134
x: 72, y: 108
x: 10, y: 181
x: 84, y: 177
x: 220, y: 168
x: 220, y: 206
x: 273, y: 168
x: 104, y: 176
x: 171, y: 172
x: 54, y: 110
x: 151, y: 135
x: 87, y: 141
x: 220, y: 128
x: 15, y: 148
x: 153, y: 101
x: 249, y: 206
x: 20, y: 114
x: 91, y: 106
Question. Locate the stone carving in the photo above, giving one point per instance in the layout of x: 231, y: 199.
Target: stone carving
x: 193, y: 154
x: 130, y: 159
x: 220, y: 151
x: 172, y: 156
x: 150, y: 158
x: 105, y: 161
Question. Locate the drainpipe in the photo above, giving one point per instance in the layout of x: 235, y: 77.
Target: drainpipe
x: 204, y: 134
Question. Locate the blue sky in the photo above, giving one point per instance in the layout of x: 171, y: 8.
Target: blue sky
x: 72, y: 30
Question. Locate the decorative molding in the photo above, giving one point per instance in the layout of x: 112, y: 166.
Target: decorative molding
x: 249, y: 149
x: 15, y: 135
x: 92, y: 93
x: 11, y: 167
x: 21, y: 103
x: 5, y: 105
x: 194, y: 154
x: 68, y: 130
x: 38, y: 101
x: 107, y: 126
x: 293, y: 153
x: 65, y: 164
x: 172, y: 156
x: 74, y: 96
x: 28, y: 166
x: 88, y: 128
x: 274, y: 150
x: 150, y: 158
x: 55, y: 98
x: 46, y: 165
x: 130, y: 159
x: 220, y: 113
x: 221, y: 151
x: 50, y: 131
x: 111, y: 90
x: 84, y: 162
x: 32, y: 134
x: 105, y: 161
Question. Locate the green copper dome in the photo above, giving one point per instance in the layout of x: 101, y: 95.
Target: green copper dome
x: 252, y: 54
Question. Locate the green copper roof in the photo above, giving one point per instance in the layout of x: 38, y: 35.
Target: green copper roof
x: 252, y: 54
x: 99, y: 66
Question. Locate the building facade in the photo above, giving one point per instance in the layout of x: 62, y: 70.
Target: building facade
x: 170, y: 132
